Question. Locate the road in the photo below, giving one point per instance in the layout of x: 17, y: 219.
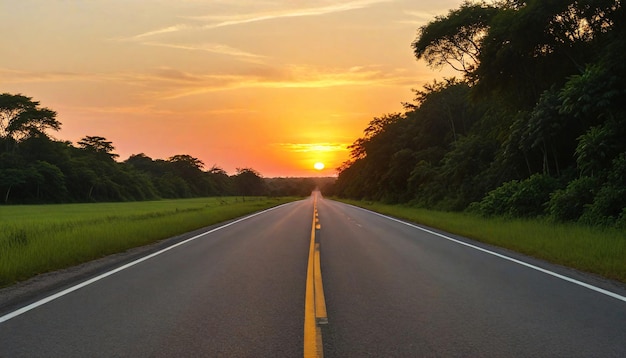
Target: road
x: 391, y: 290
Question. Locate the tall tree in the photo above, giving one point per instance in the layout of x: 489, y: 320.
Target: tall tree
x: 21, y: 117
x: 98, y: 145
x: 455, y: 39
x: 535, y: 44
x: 249, y: 182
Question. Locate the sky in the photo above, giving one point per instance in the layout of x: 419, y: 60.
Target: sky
x: 271, y: 85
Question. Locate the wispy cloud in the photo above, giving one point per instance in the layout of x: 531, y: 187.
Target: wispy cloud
x: 20, y: 76
x: 152, y: 110
x: 231, y: 20
x: 213, y: 48
x: 314, y: 147
x: 288, y: 77
x: 417, y: 18
x: 171, y: 83
x: 165, y: 30
x: 129, y: 110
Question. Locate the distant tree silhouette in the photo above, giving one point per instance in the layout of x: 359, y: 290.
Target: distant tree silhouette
x: 249, y: 182
x: 21, y: 117
x: 99, y: 145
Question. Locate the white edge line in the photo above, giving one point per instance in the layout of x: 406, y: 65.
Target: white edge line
x: 537, y: 268
x: 53, y: 297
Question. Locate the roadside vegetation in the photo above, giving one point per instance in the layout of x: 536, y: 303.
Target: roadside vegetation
x: 533, y: 128
x: 40, y: 238
x: 600, y: 251
x: 525, y: 150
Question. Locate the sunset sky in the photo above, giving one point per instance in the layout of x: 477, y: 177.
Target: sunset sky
x: 272, y: 85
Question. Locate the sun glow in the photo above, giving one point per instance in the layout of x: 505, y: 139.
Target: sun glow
x: 318, y: 166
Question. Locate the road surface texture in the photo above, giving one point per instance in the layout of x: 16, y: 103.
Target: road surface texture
x: 391, y: 289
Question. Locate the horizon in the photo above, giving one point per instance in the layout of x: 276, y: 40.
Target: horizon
x: 272, y: 86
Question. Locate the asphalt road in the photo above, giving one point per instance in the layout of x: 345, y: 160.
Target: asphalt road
x: 237, y: 292
x: 392, y: 290
x: 395, y: 291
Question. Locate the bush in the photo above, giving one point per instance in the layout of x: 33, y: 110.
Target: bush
x: 609, y: 203
x: 526, y: 198
x: 497, y: 201
x: 532, y: 196
x: 569, y: 204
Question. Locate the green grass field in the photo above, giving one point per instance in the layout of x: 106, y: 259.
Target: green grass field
x: 41, y: 238
x: 592, y: 249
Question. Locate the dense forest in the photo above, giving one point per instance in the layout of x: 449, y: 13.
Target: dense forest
x: 534, y: 127
x: 35, y: 168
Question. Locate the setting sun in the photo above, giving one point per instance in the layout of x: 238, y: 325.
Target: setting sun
x: 192, y: 69
x: 318, y: 166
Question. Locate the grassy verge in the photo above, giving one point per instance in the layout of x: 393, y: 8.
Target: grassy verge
x: 40, y: 238
x: 596, y: 250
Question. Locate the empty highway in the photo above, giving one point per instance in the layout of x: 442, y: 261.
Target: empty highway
x: 392, y: 289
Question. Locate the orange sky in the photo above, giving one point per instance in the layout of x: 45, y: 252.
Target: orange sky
x: 271, y: 85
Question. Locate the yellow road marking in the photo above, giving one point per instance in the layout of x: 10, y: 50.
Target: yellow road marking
x: 313, y: 346
x: 320, y: 303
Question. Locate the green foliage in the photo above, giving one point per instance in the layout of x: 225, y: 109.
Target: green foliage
x: 21, y: 117
x: 569, y: 203
x: 248, y: 182
x: 609, y: 203
x: 536, y: 128
x: 497, y: 201
x: 454, y: 39
x: 98, y: 146
x: 525, y: 198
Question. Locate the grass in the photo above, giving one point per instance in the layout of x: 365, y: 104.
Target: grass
x: 41, y: 238
x: 597, y: 250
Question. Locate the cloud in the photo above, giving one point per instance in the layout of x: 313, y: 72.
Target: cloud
x: 143, y: 109
x: 231, y: 20
x: 417, y: 18
x: 19, y: 76
x: 213, y: 48
x: 287, y: 77
x: 165, y: 30
x: 129, y: 110
x: 421, y: 15
x: 171, y: 83
x: 314, y: 147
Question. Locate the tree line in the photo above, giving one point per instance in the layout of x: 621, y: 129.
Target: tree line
x: 534, y: 127
x: 35, y: 168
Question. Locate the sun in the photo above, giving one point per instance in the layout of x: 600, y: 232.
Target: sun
x: 318, y: 166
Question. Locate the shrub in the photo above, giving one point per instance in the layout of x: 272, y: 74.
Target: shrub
x: 524, y: 198
x: 496, y: 202
x: 610, y: 201
x: 568, y: 204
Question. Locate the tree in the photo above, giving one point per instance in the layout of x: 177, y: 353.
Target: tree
x: 51, y: 183
x: 98, y: 145
x: 9, y: 178
x: 550, y: 133
x: 455, y: 39
x: 249, y: 182
x: 21, y: 117
x: 535, y: 44
x: 223, y: 183
x: 186, y: 161
x: 190, y: 170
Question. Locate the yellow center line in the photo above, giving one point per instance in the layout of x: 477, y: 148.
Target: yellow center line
x: 314, y: 304
x: 320, y: 302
